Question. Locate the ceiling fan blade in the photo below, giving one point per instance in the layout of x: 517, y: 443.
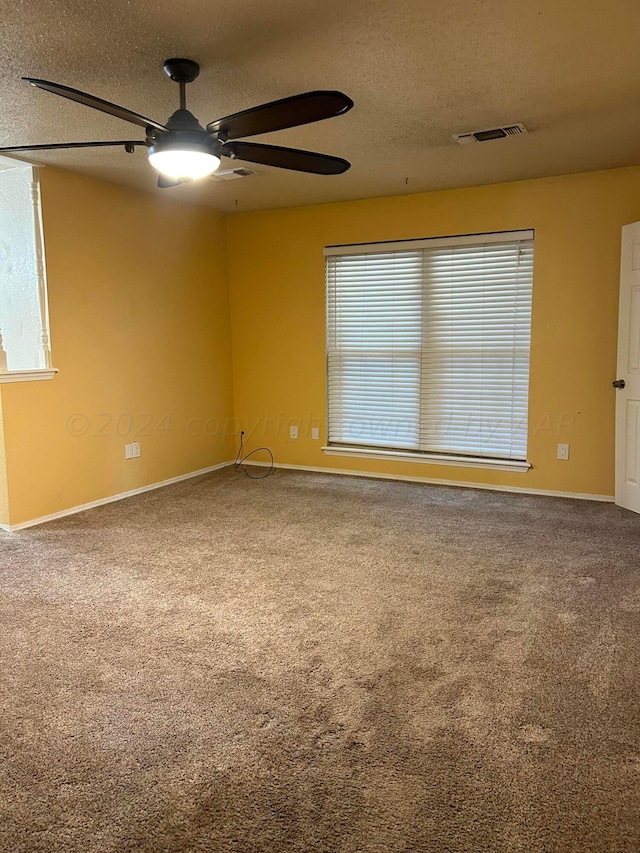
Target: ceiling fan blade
x: 60, y: 145
x: 286, y: 158
x: 278, y: 115
x: 96, y: 103
x: 164, y: 182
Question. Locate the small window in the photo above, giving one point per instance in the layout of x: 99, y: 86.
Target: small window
x: 428, y: 346
x: 24, y: 322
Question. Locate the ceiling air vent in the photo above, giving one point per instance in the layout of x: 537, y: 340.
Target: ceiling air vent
x: 232, y: 174
x: 492, y: 133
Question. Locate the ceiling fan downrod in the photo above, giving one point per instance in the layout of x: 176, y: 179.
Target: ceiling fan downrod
x: 182, y: 71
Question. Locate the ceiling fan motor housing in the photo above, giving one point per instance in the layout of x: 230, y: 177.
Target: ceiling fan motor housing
x: 183, y: 120
x: 185, y: 139
x: 185, y: 144
x: 183, y: 129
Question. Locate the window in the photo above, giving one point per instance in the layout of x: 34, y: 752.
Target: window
x: 428, y: 348
x: 24, y: 325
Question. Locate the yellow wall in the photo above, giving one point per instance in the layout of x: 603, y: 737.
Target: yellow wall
x: 140, y: 334
x: 4, y: 492
x: 276, y: 274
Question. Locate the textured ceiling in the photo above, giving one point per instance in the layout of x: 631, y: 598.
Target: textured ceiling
x: 418, y: 71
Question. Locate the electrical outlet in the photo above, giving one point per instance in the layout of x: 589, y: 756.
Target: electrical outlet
x: 315, y: 432
x: 128, y: 451
x: 563, y: 452
x: 135, y: 449
x: 293, y: 432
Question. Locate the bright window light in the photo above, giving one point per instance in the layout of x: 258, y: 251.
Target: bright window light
x: 24, y: 324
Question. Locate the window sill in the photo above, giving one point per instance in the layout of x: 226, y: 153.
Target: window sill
x: 28, y: 375
x: 430, y: 459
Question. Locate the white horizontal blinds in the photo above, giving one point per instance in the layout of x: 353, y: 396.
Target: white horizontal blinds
x: 475, y: 348
x: 374, y: 312
x: 428, y: 344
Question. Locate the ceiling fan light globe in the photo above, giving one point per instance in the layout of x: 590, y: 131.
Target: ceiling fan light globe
x: 184, y: 162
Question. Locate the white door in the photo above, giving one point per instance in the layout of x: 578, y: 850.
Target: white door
x: 627, y: 382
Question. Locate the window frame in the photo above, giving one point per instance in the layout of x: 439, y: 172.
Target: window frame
x: 45, y: 370
x: 400, y: 454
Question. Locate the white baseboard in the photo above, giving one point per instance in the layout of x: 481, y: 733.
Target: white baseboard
x: 439, y: 482
x: 12, y: 528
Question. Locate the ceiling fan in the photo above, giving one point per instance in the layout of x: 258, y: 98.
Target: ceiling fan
x: 182, y: 150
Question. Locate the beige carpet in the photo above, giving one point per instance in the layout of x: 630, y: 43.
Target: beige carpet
x: 315, y: 663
